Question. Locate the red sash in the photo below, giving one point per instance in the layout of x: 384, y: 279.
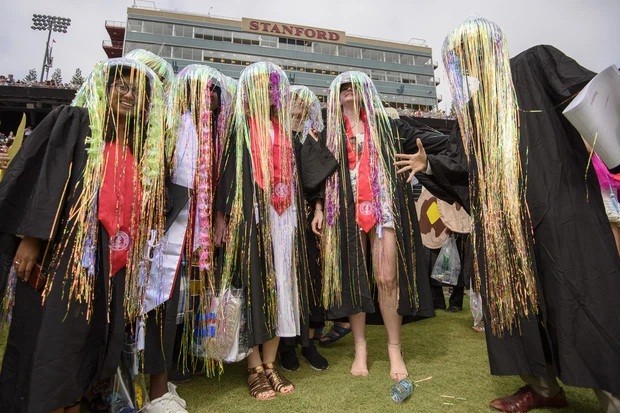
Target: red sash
x: 364, y: 205
x: 281, y: 166
x: 116, y: 198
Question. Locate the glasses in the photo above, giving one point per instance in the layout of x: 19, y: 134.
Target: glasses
x: 124, y: 88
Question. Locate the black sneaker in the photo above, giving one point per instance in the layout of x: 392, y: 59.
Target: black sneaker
x: 455, y: 309
x: 288, y: 358
x: 312, y: 355
x: 177, y: 375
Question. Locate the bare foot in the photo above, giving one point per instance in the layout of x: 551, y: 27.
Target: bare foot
x: 360, y: 366
x: 398, y: 369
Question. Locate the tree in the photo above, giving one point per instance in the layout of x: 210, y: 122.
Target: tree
x: 31, y: 76
x: 77, y: 78
x: 57, y: 77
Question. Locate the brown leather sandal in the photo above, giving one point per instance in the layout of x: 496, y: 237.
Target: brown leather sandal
x: 277, y: 380
x: 260, y: 384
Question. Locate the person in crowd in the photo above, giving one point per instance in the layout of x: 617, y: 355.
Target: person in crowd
x: 315, y: 163
x: 519, y: 166
x: 260, y: 209
x: 86, y: 193
x: 369, y: 213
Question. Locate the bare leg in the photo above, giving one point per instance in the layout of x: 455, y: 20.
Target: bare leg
x: 73, y: 409
x: 357, y: 324
x: 384, y: 266
x: 255, y: 360
x: 358, y: 327
x: 159, y: 385
x: 270, y: 351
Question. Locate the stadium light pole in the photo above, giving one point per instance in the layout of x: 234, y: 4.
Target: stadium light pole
x: 51, y: 24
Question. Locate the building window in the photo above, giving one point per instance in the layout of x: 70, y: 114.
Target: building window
x: 407, y: 59
x: 268, y: 41
x: 246, y: 38
x: 325, y: 48
x: 348, y: 51
x: 134, y: 25
x: 392, y: 57
x: 378, y: 75
x: 374, y: 55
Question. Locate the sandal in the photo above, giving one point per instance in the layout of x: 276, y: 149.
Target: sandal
x: 259, y: 384
x: 277, y: 380
x: 333, y: 335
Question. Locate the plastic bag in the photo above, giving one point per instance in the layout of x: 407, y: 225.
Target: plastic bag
x: 448, y: 265
x: 220, y: 334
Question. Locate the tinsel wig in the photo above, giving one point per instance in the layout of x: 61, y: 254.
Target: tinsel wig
x: 489, y: 124
x: 310, y: 110
x: 380, y: 137
x: 156, y: 63
x: 262, y: 102
x: 144, y: 138
x: 190, y: 109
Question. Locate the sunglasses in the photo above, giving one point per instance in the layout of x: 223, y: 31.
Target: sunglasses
x: 346, y: 86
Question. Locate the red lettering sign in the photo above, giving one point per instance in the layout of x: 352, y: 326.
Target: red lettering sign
x: 254, y: 25
x: 334, y: 37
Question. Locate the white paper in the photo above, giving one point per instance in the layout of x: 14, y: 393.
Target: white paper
x: 595, y: 113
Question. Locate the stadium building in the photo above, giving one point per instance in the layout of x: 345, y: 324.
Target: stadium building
x: 402, y: 72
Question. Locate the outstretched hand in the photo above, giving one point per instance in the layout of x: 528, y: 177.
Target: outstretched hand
x: 415, y: 163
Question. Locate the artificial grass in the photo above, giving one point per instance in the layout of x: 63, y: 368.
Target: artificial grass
x: 444, y: 348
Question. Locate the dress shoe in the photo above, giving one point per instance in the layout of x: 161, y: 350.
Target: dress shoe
x: 526, y: 399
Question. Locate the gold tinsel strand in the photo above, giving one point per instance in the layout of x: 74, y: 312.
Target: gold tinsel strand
x: 489, y: 124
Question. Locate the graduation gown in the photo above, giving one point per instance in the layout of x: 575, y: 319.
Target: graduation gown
x: 356, y: 273
x: 315, y: 164
x: 249, y: 256
x: 576, y: 263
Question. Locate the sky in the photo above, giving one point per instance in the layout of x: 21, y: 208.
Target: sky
x: 586, y: 30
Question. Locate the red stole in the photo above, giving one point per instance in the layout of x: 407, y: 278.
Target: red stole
x: 364, y: 205
x: 117, y: 195
x: 279, y: 163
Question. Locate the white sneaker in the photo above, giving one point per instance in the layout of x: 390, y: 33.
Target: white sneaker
x: 172, y: 389
x: 168, y: 403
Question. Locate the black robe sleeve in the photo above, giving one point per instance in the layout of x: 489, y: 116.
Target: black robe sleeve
x: 226, y: 183
x: 316, y: 164
x: 32, y: 190
x: 449, y: 178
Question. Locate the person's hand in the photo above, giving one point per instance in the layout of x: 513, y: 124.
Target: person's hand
x: 26, y: 257
x: 314, y: 134
x: 317, y: 222
x: 221, y: 229
x: 4, y: 157
x: 415, y: 163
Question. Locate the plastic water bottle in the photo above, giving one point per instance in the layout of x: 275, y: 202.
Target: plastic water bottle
x: 401, y: 390
x: 118, y: 404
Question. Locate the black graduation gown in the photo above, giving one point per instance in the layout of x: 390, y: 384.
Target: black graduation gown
x: 249, y: 256
x: 357, y: 287
x: 29, y: 196
x: 577, y: 265
x: 315, y: 164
